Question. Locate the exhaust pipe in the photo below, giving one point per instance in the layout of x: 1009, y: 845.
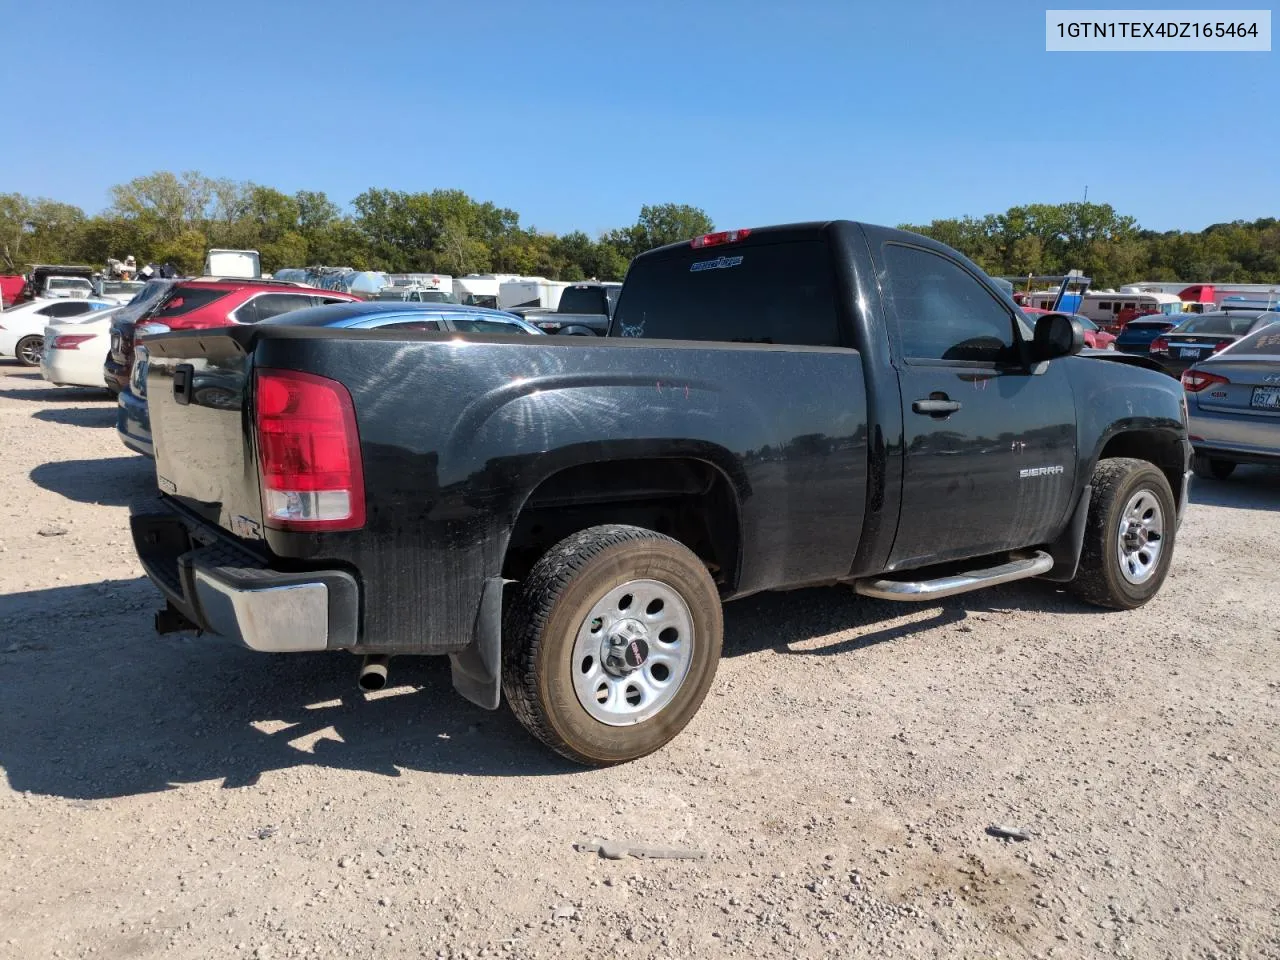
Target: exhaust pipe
x: 373, y: 672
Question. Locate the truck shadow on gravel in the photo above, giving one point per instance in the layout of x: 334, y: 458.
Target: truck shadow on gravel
x: 97, y: 706
x: 113, y: 482
x: 79, y: 416
x: 1249, y: 488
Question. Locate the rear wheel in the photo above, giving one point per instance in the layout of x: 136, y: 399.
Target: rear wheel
x: 29, y: 350
x: 1129, y: 535
x: 612, y: 643
x: 1212, y: 468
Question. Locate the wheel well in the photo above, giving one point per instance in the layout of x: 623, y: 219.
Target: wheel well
x: 689, y: 500
x: 1161, y: 449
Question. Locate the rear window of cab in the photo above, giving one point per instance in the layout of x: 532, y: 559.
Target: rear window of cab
x: 759, y: 293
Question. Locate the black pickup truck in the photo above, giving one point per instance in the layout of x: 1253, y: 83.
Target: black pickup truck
x: 825, y: 403
x: 585, y: 310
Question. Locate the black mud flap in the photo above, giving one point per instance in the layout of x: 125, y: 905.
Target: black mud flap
x: 1067, y: 548
x: 477, y: 669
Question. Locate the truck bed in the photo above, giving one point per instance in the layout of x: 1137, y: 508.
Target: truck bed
x: 459, y: 435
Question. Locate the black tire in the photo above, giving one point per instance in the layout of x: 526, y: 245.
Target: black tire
x: 542, y: 624
x: 24, y: 346
x: 1212, y: 469
x: 1100, y: 579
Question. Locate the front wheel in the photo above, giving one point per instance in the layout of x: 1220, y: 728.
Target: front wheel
x: 1129, y: 535
x: 29, y: 350
x: 611, y: 644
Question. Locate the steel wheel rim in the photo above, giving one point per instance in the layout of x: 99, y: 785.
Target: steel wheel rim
x: 31, y: 350
x: 1140, y: 537
x: 640, y: 619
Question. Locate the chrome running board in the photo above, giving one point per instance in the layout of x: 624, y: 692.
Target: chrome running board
x: 918, y: 590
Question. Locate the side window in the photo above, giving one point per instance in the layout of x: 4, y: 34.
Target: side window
x: 271, y: 305
x: 943, y: 312
x: 327, y: 301
x: 411, y: 325
x: 72, y: 309
x: 475, y: 325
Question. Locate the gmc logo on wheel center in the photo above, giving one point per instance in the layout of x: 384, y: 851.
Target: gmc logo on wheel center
x: 1039, y: 472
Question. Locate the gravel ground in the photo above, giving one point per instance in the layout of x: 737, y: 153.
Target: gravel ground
x: 181, y: 797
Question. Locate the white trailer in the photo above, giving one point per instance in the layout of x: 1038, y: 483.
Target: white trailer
x: 481, y: 289
x: 536, y: 292
x: 241, y: 264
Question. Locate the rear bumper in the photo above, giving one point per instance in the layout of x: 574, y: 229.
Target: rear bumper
x: 133, y: 423
x: 1243, y: 438
x: 225, y: 590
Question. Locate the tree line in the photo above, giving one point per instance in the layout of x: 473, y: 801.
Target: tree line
x: 1048, y: 239
x: 174, y: 218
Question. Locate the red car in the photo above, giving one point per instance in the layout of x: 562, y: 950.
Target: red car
x: 1094, y: 336
x: 196, y: 304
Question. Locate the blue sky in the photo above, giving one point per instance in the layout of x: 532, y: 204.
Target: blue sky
x: 576, y: 113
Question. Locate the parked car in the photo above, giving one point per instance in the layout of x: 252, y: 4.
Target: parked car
x: 585, y: 309
x: 1201, y: 336
x: 73, y: 349
x: 22, y: 327
x: 39, y: 277
x: 196, y: 305
x: 403, y: 294
x: 857, y: 405
x: 115, y: 369
x: 1094, y: 336
x: 1138, y: 335
x: 11, y: 287
x: 1234, y: 405
x: 391, y: 315
x: 121, y: 291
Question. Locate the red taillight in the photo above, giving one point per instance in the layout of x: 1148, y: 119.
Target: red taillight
x: 1222, y: 345
x: 308, y: 452
x: 1159, y: 345
x: 1193, y: 381
x: 70, y: 341
x: 716, y: 239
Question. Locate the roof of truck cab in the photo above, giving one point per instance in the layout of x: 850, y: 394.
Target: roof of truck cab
x: 807, y: 230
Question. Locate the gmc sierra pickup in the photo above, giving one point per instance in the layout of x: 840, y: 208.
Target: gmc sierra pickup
x: 824, y: 403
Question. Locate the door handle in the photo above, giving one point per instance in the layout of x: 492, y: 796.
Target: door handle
x: 935, y: 407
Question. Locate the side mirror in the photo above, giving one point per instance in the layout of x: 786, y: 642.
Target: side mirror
x: 1056, y: 335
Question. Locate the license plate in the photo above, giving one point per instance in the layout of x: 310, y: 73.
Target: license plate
x: 1268, y: 398
x: 1192, y: 352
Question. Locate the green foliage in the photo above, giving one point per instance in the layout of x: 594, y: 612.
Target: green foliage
x: 171, y: 217
x: 1110, y: 248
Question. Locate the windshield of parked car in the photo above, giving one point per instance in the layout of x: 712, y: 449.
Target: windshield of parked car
x: 68, y: 283
x: 1264, y: 341
x: 118, y: 287
x: 1230, y: 324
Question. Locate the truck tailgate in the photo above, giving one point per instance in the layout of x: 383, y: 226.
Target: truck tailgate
x: 197, y: 388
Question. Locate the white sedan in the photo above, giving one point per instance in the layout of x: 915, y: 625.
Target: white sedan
x: 22, y: 327
x: 76, y: 349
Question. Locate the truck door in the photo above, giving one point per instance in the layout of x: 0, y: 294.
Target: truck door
x: 989, y: 441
